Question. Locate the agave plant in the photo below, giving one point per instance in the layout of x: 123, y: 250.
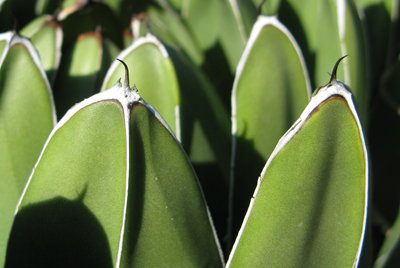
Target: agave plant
x: 188, y: 134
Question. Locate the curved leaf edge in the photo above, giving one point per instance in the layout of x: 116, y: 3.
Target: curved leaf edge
x: 12, y: 38
x: 338, y: 89
x: 127, y: 98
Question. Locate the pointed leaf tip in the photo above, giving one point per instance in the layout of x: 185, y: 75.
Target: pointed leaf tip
x: 334, y: 71
x: 126, y: 84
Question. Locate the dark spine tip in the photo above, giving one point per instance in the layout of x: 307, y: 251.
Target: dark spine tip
x: 126, y: 84
x: 260, y: 8
x: 334, y: 71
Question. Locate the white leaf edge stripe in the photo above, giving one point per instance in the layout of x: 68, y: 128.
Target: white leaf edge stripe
x: 262, y: 21
x: 147, y: 39
x: 126, y: 98
x: 58, y: 43
x: 239, y: 19
x: 342, y: 6
x: 336, y: 89
x: 12, y: 39
x: 341, y: 15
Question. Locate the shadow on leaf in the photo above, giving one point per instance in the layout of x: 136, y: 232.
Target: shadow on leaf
x: 57, y: 233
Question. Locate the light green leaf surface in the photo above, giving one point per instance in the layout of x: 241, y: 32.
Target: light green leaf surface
x: 167, y: 205
x: 189, y: 103
x: 35, y: 25
x: 46, y: 35
x: 115, y: 186
x: 232, y: 36
x: 154, y: 75
x: 4, y: 42
x: 269, y: 8
x: 328, y: 48
x: 309, y: 207
x: 357, y: 72
x: 89, y: 16
x: 26, y: 119
x: 340, y: 33
x: 205, y: 135
x: 78, y: 73
x: 203, y: 20
x: 270, y: 92
x: 204, y: 121
x: 167, y: 25
x: 302, y: 18
x: 76, y: 194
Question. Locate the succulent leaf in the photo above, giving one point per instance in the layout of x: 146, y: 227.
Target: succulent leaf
x: 270, y: 91
x: 113, y: 176
x: 27, y: 116
x: 311, y: 198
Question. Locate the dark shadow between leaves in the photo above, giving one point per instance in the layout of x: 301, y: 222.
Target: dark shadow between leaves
x: 248, y: 167
x: 58, y: 233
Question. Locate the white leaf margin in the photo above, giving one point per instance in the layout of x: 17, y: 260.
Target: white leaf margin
x: 336, y: 89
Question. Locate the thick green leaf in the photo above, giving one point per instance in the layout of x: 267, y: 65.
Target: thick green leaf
x: 26, y: 119
x: 232, y: 36
x: 205, y: 135
x: 381, y: 18
x: 87, y: 16
x: 5, y: 39
x: 203, y: 20
x: 309, y: 207
x: 76, y: 194
x: 165, y: 196
x: 187, y: 100
x: 35, y: 25
x: 154, y: 76
x: 270, y: 92
x: 340, y: 33
x: 46, y: 35
x: 328, y: 48
x: 114, y: 185
x: 78, y: 72
x: 167, y: 25
x: 301, y: 17
x: 269, y: 8
x: 357, y: 69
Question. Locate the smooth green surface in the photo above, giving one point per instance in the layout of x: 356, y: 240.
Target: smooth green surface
x: 202, y: 19
x: 45, y: 41
x: 206, y: 138
x: 71, y: 214
x: 230, y: 37
x: 154, y: 77
x: 77, y: 76
x: 271, y: 94
x: 328, y: 48
x: 204, y: 121
x: 34, y: 26
x: 302, y: 18
x: 167, y: 25
x: 309, y: 211
x: 25, y: 122
x: 3, y: 44
x: 359, y: 80
x: 167, y: 222
x: 269, y: 8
